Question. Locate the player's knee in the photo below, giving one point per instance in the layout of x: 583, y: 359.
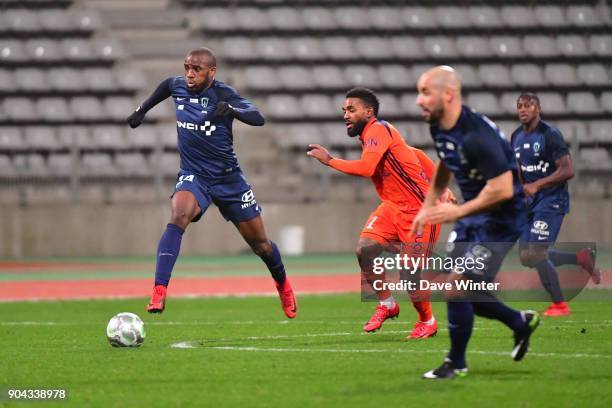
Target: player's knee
x: 181, y: 217
x: 367, y: 251
x: 262, y: 248
x: 532, y: 257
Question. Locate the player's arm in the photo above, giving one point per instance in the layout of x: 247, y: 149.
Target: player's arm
x: 438, y: 187
x: 233, y: 105
x: 563, y: 162
x: 162, y: 92
x: 430, y: 168
x: 363, y: 167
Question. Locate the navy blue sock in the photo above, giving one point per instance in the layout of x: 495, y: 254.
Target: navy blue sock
x: 562, y: 258
x: 167, y: 252
x: 275, y: 264
x: 550, y: 280
x: 495, y: 309
x: 460, y: 322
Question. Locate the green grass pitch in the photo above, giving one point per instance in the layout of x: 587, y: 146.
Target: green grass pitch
x: 246, y: 354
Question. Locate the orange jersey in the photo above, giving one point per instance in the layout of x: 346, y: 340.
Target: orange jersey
x: 400, y: 173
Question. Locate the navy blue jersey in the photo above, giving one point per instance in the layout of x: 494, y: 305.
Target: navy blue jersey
x: 475, y: 150
x: 205, y: 144
x: 536, y: 153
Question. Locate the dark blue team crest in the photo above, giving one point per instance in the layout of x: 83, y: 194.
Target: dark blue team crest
x: 204, y: 102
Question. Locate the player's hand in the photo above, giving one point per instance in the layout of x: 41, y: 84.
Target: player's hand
x: 447, y: 197
x: 136, y: 118
x: 320, y: 153
x: 443, y: 213
x: 418, y: 223
x: 530, y: 189
x: 223, y: 110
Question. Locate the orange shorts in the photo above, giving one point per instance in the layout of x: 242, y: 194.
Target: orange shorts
x: 390, y: 225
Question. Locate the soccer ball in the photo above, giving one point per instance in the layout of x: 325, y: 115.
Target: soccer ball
x: 125, y: 330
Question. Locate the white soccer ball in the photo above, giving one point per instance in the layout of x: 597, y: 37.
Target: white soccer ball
x: 125, y: 330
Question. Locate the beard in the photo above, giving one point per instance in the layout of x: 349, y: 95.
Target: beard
x: 356, y: 129
x: 435, y: 114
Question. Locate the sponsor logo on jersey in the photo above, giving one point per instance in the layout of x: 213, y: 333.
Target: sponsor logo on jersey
x: 541, y: 228
x: 536, y: 147
x: 204, y: 102
x: 541, y: 166
x: 207, y: 127
x: 248, y: 199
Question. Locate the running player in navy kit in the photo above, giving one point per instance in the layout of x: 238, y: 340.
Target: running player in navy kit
x: 205, y: 110
x: 545, y: 166
x: 487, y: 224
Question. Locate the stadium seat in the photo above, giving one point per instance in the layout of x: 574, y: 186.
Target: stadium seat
x: 560, y: 74
x: 162, y: 111
x: 405, y: 47
x: 299, y: 136
x: 484, y: 17
x: 283, y: 106
x: 329, y: 77
x: 108, y: 137
x: 99, y: 79
x: 73, y: 137
x: 592, y: 187
x: 469, y: 77
x: 87, y: 20
x: 439, y: 47
x: 395, y: 76
x: 473, y: 46
x: 61, y: 165
x: 583, y: 103
x: 351, y: 17
x: 595, y: 159
x: 506, y: 46
x: 584, y: 16
x: 507, y: 127
x: 601, y: 45
x: 295, y: 77
x: 77, y: 50
x: 66, y: 79
x: 419, y: 18
x: 54, y: 109
x: 335, y: 136
x: 416, y: 134
x: 20, y: 21
x: 516, y: 17
x: 167, y: 163
x: 11, y: 138
x: 108, y: 49
x: 339, y: 48
x: 7, y: 80
x: 57, y: 20
x: 550, y: 16
x: 496, y: 75
x: 12, y: 51
x: 143, y: 137
x: 41, y: 138
x: 593, y: 74
x: 262, y: 78
x: 507, y: 102
x: 167, y: 136
x: 31, y: 165
x: 132, y: 164
x: 408, y: 104
x: 385, y: 18
x: 87, y: 108
x: 305, y: 48
x: 215, y: 19
x: 606, y: 101
x: 318, y: 106
x: 451, y: 16
x: 43, y: 50
x: 20, y: 109
x: 31, y: 79
x: 318, y: 18
x: 484, y: 102
x: 272, y: 49
x: 552, y: 103
x: 239, y: 49
x: 389, y: 106
x: 251, y: 19
x: 527, y: 75
x: 285, y: 18
x: 7, y: 170
x: 362, y: 75
x: 117, y: 107
x: 130, y: 78
x: 572, y: 45
x: 373, y: 47
x: 540, y: 46
x: 98, y: 165
x: 600, y: 131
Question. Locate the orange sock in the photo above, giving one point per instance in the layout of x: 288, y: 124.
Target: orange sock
x: 420, y: 301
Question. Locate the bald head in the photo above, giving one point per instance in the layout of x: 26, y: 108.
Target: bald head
x: 439, y: 94
x: 443, y: 77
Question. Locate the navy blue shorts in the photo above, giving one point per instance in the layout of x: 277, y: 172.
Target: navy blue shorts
x: 542, y: 227
x: 234, y: 198
x: 483, y: 240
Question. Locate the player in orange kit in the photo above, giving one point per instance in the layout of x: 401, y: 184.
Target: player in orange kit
x: 401, y: 175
